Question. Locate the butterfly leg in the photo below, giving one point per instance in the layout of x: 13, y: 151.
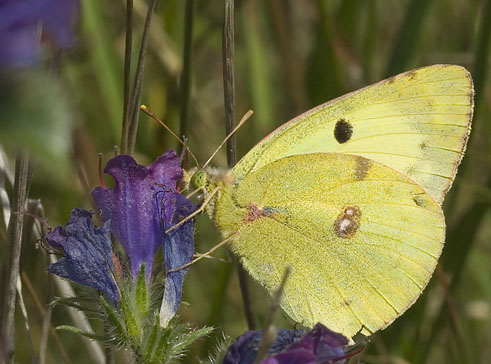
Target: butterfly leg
x: 197, y: 212
x: 208, y: 253
x: 200, y: 189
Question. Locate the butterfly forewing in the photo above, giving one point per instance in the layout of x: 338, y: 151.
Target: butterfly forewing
x: 417, y: 123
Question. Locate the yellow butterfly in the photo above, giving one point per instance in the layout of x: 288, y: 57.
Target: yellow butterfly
x: 348, y: 195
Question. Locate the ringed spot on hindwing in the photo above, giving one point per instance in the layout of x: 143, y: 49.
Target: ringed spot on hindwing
x: 348, y: 221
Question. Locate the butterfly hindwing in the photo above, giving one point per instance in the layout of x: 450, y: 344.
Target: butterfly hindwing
x: 362, y: 239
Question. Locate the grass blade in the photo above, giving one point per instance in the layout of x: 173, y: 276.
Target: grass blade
x: 10, y: 266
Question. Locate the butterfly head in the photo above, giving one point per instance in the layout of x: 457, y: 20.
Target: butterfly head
x: 209, y: 183
x: 208, y: 178
x: 196, y: 179
x: 199, y: 179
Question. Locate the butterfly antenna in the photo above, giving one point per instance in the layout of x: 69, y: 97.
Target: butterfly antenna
x: 246, y: 117
x: 147, y: 111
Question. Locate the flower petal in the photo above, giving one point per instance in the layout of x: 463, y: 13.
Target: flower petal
x: 245, y: 348
x: 324, y: 343
x: 178, y: 251
x: 134, y: 203
x: 87, y: 249
x: 320, y: 345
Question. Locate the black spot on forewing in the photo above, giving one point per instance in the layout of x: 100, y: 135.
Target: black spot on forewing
x: 343, y: 131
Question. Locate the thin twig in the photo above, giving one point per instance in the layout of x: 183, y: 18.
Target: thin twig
x: 136, y: 97
x: 10, y: 268
x: 37, y: 303
x: 23, y: 310
x: 79, y: 318
x: 127, y: 76
x: 6, y: 179
x: 46, y: 318
x: 228, y: 50
x: 161, y: 43
x: 270, y: 332
x: 187, y: 69
x: 36, y: 208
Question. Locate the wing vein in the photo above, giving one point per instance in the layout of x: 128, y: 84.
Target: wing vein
x: 399, y: 241
x: 410, y: 232
x: 383, y: 278
x: 343, y: 297
x: 408, y: 133
x: 399, y: 268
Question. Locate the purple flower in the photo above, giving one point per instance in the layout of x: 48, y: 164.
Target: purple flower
x: 134, y: 205
x: 320, y: 345
x: 178, y: 250
x: 23, y: 21
x: 88, y: 258
x: 245, y: 348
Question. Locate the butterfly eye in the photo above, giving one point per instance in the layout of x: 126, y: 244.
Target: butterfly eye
x: 199, y: 179
x: 343, y: 131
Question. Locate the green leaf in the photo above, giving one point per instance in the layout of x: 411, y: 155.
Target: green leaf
x: 76, y: 303
x: 218, y: 353
x: 76, y: 330
x: 141, y: 294
x: 129, y: 318
x: 168, y: 345
x: 115, y: 319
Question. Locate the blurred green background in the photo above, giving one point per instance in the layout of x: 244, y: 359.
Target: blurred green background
x: 291, y: 55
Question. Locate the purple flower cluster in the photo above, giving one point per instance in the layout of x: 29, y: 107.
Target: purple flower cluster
x: 134, y: 204
x: 87, y: 250
x: 141, y: 206
x: 320, y: 345
x: 25, y: 23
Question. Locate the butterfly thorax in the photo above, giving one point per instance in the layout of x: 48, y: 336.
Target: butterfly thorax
x: 218, y: 184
